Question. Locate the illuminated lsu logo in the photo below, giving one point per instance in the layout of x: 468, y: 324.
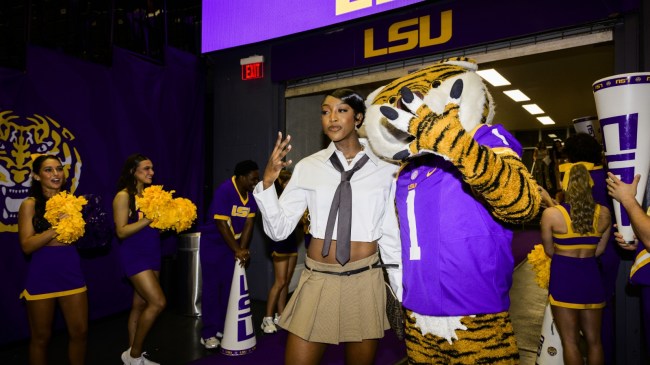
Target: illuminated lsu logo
x: 239, y: 211
x: 19, y: 139
x: 348, y: 6
x: 400, y: 39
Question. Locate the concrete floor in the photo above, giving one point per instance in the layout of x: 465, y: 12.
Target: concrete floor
x: 527, y: 303
x: 175, y: 337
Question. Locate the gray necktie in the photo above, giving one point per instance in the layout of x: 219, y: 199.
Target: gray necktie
x: 342, y: 203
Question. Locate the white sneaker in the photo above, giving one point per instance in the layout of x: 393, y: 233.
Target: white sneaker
x: 276, y: 319
x: 210, y: 343
x: 126, y: 357
x: 128, y: 360
x: 268, y: 326
x: 146, y: 361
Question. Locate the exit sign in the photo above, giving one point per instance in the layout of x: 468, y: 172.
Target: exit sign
x: 252, y: 67
x: 252, y: 71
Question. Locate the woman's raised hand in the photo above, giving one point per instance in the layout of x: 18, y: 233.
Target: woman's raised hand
x: 276, y: 163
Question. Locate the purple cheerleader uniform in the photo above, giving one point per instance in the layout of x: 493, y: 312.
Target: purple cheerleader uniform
x: 575, y: 282
x: 54, y: 271
x: 217, y: 259
x: 640, y: 275
x: 141, y: 251
x: 285, y: 248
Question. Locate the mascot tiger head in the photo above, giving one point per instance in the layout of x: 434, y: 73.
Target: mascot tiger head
x: 433, y: 85
x: 20, y: 140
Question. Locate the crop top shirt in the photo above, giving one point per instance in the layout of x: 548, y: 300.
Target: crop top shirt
x: 312, y: 186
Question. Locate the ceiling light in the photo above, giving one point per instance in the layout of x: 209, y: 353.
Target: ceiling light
x: 552, y: 135
x: 545, y: 120
x: 493, y: 77
x: 516, y: 95
x: 533, y: 109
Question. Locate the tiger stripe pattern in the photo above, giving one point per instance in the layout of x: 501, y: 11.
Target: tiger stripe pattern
x: 499, y: 176
x: 489, y: 339
x: 423, y: 81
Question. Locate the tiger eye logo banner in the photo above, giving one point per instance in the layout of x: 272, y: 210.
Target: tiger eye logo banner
x: 22, y: 138
x: 92, y: 117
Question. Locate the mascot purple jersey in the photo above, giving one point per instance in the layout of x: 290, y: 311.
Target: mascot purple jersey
x: 462, y: 178
x: 457, y: 258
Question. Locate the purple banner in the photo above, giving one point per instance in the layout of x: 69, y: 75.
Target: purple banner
x: 431, y: 28
x: 92, y: 117
x: 227, y: 24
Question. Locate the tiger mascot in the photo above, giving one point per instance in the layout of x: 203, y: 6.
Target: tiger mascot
x: 460, y: 184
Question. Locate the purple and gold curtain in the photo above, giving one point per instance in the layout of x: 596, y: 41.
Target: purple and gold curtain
x: 92, y: 117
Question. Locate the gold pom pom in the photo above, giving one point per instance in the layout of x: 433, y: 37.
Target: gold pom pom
x: 63, y: 211
x: 541, y: 265
x: 185, y: 213
x: 166, y: 212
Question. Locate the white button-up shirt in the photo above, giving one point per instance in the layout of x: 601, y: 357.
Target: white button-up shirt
x: 312, y: 186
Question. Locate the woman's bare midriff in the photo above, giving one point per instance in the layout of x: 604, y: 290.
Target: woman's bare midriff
x: 580, y: 253
x: 358, y: 250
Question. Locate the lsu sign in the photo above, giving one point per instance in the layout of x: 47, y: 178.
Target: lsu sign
x: 408, y: 34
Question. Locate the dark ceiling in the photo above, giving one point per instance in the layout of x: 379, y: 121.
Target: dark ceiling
x: 89, y: 29
x: 559, y: 81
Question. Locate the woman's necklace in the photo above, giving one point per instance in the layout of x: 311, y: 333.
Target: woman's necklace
x: 349, y: 160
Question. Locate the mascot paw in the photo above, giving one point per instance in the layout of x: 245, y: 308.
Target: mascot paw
x: 420, y: 122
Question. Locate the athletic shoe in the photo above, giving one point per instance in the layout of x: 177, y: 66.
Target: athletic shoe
x: 268, y: 326
x: 128, y: 360
x: 276, y: 319
x: 211, y: 343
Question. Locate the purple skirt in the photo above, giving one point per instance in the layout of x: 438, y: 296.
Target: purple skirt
x: 575, y: 283
x: 286, y: 247
x: 54, y: 271
x: 141, y: 252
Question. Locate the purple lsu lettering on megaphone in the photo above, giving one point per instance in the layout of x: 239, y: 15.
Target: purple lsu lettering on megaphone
x: 244, y: 311
x: 628, y: 128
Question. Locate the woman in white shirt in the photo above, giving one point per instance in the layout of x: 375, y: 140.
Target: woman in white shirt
x: 338, y: 299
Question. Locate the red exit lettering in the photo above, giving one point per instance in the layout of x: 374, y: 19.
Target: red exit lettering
x: 252, y: 71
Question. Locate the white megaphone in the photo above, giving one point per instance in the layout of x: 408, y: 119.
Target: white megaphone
x: 239, y: 334
x: 549, y: 351
x: 623, y: 106
x: 589, y: 125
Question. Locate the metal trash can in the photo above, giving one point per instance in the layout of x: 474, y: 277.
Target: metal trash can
x: 189, y: 274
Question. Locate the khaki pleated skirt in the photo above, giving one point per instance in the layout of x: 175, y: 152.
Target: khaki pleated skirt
x: 332, y: 309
